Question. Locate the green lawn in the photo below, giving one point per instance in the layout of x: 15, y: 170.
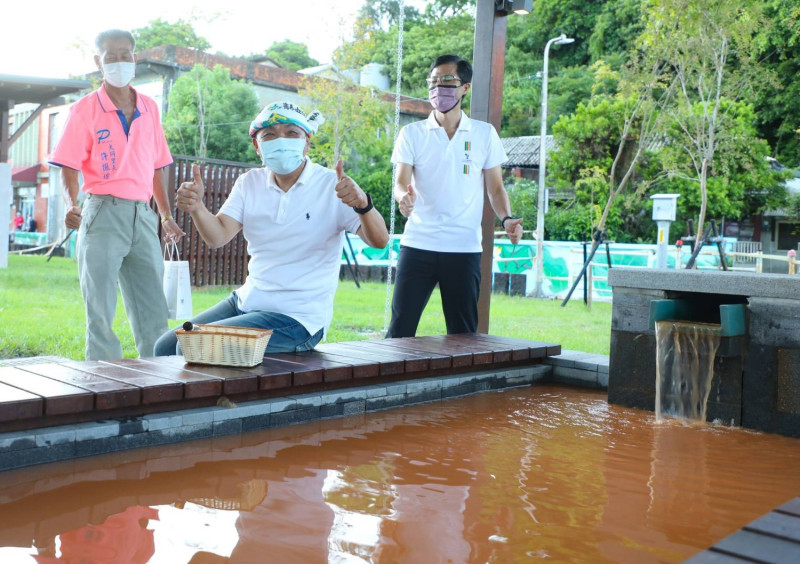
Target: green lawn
x: 41, y: 313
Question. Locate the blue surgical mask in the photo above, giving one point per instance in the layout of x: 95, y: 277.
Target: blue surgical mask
x: 282, y: 155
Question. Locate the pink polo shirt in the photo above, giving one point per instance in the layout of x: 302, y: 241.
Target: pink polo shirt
x: 113, y: 163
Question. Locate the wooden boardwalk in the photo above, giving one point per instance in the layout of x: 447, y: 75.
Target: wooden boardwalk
x: 54, y: 393
x: 773, y: 538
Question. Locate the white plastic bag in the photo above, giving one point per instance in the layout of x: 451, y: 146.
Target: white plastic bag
x: 177, y: 284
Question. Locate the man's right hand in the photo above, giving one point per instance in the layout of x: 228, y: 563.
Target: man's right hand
x: 406, y: 203
x: 73, y: 218
x: 190, y: 194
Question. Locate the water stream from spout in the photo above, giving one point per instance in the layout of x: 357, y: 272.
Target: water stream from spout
x: 685, y: 353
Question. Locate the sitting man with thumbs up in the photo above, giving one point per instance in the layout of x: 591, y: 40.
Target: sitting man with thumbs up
x: 293, y: 214
x: 451, y: 158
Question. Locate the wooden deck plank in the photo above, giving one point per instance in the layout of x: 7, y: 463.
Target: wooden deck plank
x: 59, y: 398
x: 711, y: 557
x: 777, y: 524
x: 19, y: 404
x: 194, y: 385
x: 235, y: 380
x: 501, y: 352
x: 413, y: 361
x: 362, y: 368
x: 154, y: 389
x: 108, y: 394
x: 481, y: 353
x: 388, y: 364
x: 436, y: 361
x: 459, y: 356
x: 537, y: 349
x: 517, y: 351
x: 319, y: 367
x: 759, y: 547
x: 791, y: 507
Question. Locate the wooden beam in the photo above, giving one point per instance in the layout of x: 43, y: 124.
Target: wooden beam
x: 5, y: 115
x: 488, y: 63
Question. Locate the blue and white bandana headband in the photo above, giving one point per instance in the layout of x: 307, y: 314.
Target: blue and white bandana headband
x: 286, y: 112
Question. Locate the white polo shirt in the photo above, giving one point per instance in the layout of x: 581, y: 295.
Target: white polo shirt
x: 448, y: 179
x: 295, y: 242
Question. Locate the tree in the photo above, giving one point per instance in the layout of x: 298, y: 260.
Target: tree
x: 777, y: 102
x: 356, y: 130
x: 158, y: 32
x: 209, y: 115
x: 291, y: 55
x: 700, y: 40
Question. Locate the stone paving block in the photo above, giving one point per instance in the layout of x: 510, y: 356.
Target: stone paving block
x: 375, y: 391
x: 198, y: 416
x: 459, y: 390
x: 294, y: 416
x: 189, y: 432
x: 306, y: 400
x: 333, y: 409
x: 386, y: 402
x: 17, y: 440
x: 30, y: 457
x: 132, y: 426
x: 602, y: 379
x: 423, y: 385
x: 276, y: 405
x: 354, y: 407
x: 574, y: 375
x: 424, y: 396
x: 588, y: 363
x: 228, y: 427
x: 255, y: 422
x: 343, y: 395
x: 161, y: 421
x: 99, y: 430
x: 55, y: 435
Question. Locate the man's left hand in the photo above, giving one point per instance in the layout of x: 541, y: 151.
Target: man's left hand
x: 171, y: 232
x: 514, y: 230
x: 347, y: 190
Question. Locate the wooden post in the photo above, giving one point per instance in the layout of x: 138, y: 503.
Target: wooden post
x: 488, y: 64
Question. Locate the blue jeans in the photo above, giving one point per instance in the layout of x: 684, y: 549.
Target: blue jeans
x: 288, y: 335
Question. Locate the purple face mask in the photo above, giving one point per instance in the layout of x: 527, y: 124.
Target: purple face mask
x: 443, y: 98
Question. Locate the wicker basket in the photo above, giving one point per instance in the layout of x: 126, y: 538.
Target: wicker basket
x: 223, y: 344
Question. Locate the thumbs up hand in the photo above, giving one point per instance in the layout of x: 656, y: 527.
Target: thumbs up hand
x: 406, y: 203
x: 190, y: 194
x: 348, y: 191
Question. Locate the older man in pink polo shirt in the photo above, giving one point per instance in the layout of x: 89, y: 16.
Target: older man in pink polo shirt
x: 114, y: 137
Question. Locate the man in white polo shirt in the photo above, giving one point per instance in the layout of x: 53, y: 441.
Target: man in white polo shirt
x: 450, y: 158
x: 293, y: 214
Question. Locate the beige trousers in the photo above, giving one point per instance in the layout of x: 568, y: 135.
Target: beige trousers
x: 118, y: 245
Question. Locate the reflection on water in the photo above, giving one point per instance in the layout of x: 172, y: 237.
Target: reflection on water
x: 525, y: 474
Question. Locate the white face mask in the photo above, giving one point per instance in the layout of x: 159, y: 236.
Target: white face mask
x: 119, y: 74
x: 282, y: 155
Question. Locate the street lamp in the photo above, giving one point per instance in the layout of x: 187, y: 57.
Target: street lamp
x: 560, y: 40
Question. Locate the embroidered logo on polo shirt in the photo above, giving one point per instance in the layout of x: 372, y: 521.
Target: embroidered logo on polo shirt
x: 102, y: 135
x: 467, y: 160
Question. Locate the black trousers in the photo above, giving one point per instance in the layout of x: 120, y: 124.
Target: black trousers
x: 418, y: 272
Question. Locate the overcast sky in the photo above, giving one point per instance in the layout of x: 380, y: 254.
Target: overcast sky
x: 54, y: 39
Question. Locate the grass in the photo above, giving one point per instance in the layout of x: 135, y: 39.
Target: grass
x: 41, y: 313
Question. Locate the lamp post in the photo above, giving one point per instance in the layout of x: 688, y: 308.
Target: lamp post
x: 560, y: 40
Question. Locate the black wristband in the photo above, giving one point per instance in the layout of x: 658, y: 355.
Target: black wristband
x: 503, y: 221
x: 369, y: 206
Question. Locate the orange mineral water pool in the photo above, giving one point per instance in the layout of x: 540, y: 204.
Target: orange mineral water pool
x: 529, y: 474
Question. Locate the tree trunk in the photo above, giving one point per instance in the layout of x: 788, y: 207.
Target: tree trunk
x: 703, y: 198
